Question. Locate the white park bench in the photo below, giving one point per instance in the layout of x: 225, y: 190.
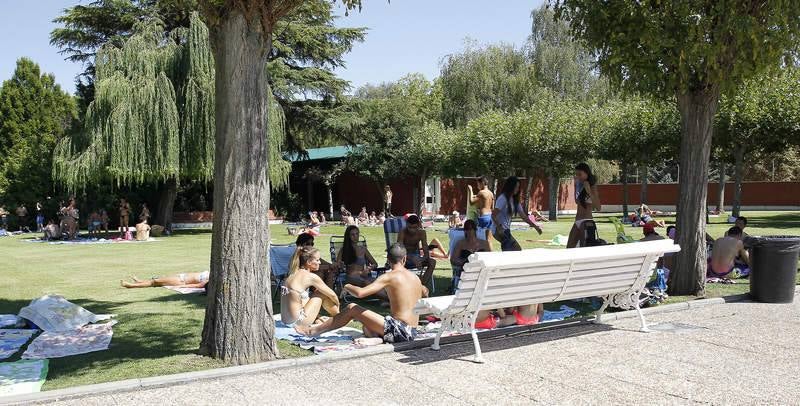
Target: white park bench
x: 493, y: 280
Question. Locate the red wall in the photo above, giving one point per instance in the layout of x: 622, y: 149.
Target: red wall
x: 753, y: 194
x: 355, y: 192
x: 454, y: 194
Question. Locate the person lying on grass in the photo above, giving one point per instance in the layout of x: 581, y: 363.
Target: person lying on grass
x: 300, y: 308
x: 184, y: 280
x: 404, y: 290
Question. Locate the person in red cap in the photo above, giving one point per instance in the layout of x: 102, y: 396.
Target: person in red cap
x: 650, y: 234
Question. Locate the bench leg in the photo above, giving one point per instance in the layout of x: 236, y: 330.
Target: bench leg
x: 644, y: 328
x: 598, y: 316
x: 478, y: 355
x: 435, y: 345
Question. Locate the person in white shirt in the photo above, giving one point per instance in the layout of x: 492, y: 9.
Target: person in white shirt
x: 506, y: 207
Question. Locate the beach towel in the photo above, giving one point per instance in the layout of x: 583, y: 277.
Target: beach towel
x: 184, y: 290
x: 11, y: 340
x: 26, y: 376
x: 564, y: 312
x: 87, y: 241
x: 11, y: 321
x: 54, y: 313
x: 559, y: 240
x: 56, y: 344
x: 333, y: 341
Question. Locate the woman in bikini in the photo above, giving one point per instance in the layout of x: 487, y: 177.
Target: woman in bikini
x: 356, y: 259
x: 186, y: 280
x: 466, y: 247
x: 587, y: 200
x: 300, y: 308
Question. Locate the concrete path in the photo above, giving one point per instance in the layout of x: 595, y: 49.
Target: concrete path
x: 737, y: 353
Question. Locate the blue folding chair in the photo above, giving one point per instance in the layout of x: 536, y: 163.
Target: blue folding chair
x: 279, y: 258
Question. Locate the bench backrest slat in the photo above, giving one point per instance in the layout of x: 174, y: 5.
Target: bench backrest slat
x: 492, y: 280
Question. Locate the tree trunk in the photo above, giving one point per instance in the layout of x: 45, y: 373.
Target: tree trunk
x: 553, y: 197
x: 330, y: 199
x: 643, y: 176
x: 166, y: 202
x: 738, y: 156
x: 697, y: 115
x: 624, y: 179
x: 528, y: 193
x: 422, y: 198
x: 238, y: 327
x: 721, y: 188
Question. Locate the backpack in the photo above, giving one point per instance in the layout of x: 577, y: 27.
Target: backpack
x: 591, y: 237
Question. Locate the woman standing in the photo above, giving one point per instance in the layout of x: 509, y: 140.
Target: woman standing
x: 587, y: 200
x: 507, y: 205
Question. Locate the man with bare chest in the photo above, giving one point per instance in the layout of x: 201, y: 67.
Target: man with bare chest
x: 414, y: 239
x: 483, y: 202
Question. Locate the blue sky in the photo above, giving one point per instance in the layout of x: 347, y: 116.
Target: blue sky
x: 404, y: 36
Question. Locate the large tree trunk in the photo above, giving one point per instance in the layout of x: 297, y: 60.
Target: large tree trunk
x: 721, y: 188
x: 166, y: 203
x: 697, y: 115
x: 528, y: 193
x: 624, y: 179
x: 553, y: 197
x: 738, y: 155
x: 643, y: 175
x: 238, y: 325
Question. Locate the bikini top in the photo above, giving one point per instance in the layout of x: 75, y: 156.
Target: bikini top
x: 285, y: 292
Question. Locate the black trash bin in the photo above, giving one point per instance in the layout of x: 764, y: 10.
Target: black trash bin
x: 774, y: 259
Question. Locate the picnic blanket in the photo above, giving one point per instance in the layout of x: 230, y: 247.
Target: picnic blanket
x: 339, y: 340
x: 11, y: 321
x: 25, y: 376
x: 11, y: 340
x: 56, y: 344
x: 87, y: 241
x: 184, y: 290
x: 54, y: 313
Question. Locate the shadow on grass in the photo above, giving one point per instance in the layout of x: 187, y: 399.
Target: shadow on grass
x: 498, y: 340
x: 779, y: 221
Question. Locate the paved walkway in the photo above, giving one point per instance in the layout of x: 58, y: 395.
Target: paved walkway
x: 739, y: 353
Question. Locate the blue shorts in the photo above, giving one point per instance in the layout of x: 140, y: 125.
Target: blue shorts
x: 485, y: 221
x: 409, y: 262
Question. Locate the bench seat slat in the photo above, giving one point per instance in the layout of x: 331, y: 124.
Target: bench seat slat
x: 533, y: 281
x: 533, y: 269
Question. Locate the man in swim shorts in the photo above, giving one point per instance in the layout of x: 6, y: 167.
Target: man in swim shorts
x: 483, y: 201
x: 414, y: 239
x: 724, y: 253
x: 403, y: 288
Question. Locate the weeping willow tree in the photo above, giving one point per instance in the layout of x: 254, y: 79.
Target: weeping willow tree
x: 153, y: 117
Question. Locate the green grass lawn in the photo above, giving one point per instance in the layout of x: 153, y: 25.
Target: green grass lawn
x: 159, y: 330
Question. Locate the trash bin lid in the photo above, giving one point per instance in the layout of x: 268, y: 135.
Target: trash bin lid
x: 782, y: 242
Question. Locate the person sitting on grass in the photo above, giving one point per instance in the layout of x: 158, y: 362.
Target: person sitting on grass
x: 142, y: 231
x: 404, y: 290
x: 741, y: 222
x: 347, y: 217
x: 455, y: 220
x: 94, y: 224
x: 725, y: 252
x: 381, y: 219
x: 326, y: 270
x: 356, y: 258
x: 104, y: 221
x: 184, y: 280
x: 299, y: 307
x: 373, y: 219
x: 363, y: 216
x: 52, y: 231
x: 322, y: 219
x: 646, y: 216
x: 414, y: 239
x: 650, y: 233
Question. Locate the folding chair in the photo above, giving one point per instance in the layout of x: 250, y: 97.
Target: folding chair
x: 391, y: 229
x: 622, y: 238
x: 279, y: 258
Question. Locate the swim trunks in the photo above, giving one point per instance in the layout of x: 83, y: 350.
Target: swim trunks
x: 523, y: 321
x: 485, y: 221
x: 488, y: 324
x: 397, y: 331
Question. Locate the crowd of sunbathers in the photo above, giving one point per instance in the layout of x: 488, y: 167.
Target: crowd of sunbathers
x: 65, y: 223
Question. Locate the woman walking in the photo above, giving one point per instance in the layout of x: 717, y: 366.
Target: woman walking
x: 587, y: 200
x: 507, y: 205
